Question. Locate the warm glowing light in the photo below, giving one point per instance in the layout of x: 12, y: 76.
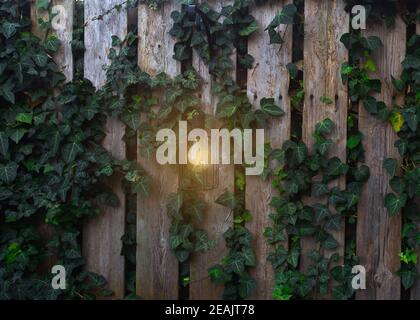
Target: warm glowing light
x: 197, y: 156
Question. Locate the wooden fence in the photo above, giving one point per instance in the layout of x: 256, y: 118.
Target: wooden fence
x: 378, y: 235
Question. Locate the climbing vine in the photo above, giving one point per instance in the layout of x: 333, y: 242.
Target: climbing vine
x: 404, y: 181
x: 53, y: 167
x: 54, y: 171
x: 403, y: 119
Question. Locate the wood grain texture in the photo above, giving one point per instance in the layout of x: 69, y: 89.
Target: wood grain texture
x: 63, y: 57
x: 157, y: 267
x: 102, y: 236
x: 325, y: 23
x: 267, y: 79
x: 415, y: 290
x: 217, y: 218
x: 378, y: 234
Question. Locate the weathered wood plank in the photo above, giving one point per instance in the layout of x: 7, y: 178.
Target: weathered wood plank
x: 102, y: 236
x: 378, y: 234
x: 325, y: 22
x: 157, y: 267
x: 62, y: 28
x: 267, y: 79
x: 415, y: 291
x: 217, y: 219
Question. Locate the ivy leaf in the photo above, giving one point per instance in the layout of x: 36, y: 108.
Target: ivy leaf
x: 394, y: 203
x: 4, y: 143
x: 52, y: 44
x: 354, y: 140
x: 391, y: 166
x: 251, y: 28
x: 24, y: 118
x: 333, y: 222
x: 246, y: 60
x: 336, y: 168
x: 319, y: 189
x: 330, y: 243
x: 372, y: 43
x: 324, y: 127
x: 402, y: 146
x: 249, y: 257
x: 218, y: 275
x: 142, y: 186
x: 132, y: 119
x: 203, y: 243
x: 55, y: 142
x: 227, y: 200
x: 8, y: 172
x: 361, y: 174
x: 237, y: 264
x: 247, y: 286
x: 286, y: 16
x: 182, y: 255
x: 321, y: 212
x: 195, y: 208
x: 408, y: 277
x: 293, y: 256
x: 397, y: 121
x: 17, y: 134
x: 300, y: 152
x: 275, y: 36
x: 89, y: 111
x: 6, y: 92
x: 227, y: 111
x: 293, y: 70
x: 326, y: 100
x: 40, y: 59
x: 71, y: 151
x: 398, y: 84
x: 174, y: 204
x: 268, y: 106
x: 278, y: 202
x: 323, y: 146
x: 9, y: 29
x: 397, y: 184
x: 181, y: 52
x: 42, y: 4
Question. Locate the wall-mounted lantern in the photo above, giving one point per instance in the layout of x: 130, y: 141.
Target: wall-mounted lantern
x: 199, y: 174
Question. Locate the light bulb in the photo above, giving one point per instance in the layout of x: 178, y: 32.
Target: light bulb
x: 197, y: 156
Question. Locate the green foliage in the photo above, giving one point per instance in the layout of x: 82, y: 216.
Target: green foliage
x: 238, y: 282
x: 233, y: 272
x: 213, y: 37
x: 302, y: 174
x: 186, y: 210
x: 286, y: 16
x: 53, y: 169
x: 405, y: 182
x: 377, y: 10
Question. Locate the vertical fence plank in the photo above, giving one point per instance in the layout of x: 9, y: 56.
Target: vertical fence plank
x: 325, y: 22
x: 267, y: 79
x: 157, y: 267
x: 378, y: 234
x: 64, y: 60
x: 217, y: 219
x: 62, y: 28
x: 415, y: 291
x: 102, y: 236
